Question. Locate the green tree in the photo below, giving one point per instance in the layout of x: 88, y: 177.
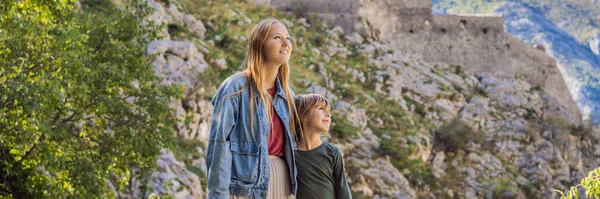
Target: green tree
x: 591, y: 184
x: 80, y: 104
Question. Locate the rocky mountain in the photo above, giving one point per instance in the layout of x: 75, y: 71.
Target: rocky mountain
x: 408, y: 128
x: 568, y: 30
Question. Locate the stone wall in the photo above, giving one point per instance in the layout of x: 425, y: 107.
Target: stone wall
x: 346, y: 13
x: 478, y: 43
x: 494, y: 52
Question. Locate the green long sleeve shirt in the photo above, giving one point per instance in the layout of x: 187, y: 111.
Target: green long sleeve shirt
x: 321, y: 173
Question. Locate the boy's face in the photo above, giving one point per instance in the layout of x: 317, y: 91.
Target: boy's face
x: 319, y: 119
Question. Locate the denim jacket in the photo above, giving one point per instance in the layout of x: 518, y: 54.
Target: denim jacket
x: 237, y: 160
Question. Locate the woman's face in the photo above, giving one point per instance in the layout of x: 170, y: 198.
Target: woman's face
x: 278, y: 46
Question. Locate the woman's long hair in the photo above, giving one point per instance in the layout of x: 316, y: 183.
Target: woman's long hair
x: 255, y: 72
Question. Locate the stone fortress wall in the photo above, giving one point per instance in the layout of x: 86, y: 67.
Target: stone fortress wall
x: 476, y: 42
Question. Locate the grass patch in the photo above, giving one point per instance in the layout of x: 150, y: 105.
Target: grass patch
x: 176, y: 31
x: 186, y: 151
x: 342, y: 129
x: 419, y: 108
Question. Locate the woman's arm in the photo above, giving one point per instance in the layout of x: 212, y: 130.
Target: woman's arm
x: 218, y: 156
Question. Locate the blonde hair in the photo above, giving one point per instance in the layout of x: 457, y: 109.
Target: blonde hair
x: 255, y: 70
x: 305, y: 103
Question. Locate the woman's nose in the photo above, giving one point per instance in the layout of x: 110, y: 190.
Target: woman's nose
x: 285, y: 43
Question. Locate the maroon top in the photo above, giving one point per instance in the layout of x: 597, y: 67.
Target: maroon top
x: 276, y: 134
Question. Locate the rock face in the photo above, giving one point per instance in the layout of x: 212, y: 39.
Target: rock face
x: 171, y: 14
x: 519, y: 150
x: 595, y: 44
x: 180, y: 62
x: 575, y: 61
x: 532, y: 24
x: 172, y: 177
x: 526, y: 148
x: 477, y: 43
x: 387, y: 181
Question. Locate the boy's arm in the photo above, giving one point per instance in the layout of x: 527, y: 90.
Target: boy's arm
x: 218, y: 156
x: 342, y: 190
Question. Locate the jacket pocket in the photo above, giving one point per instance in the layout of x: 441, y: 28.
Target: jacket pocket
x: 245, y: 162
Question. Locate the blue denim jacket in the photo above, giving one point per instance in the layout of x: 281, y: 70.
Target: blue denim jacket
x: 237, y: 160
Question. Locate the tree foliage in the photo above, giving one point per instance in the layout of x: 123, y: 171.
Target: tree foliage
x: 80, y: 104
x: 591, y: 184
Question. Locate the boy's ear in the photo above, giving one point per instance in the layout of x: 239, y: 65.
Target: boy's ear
x: 304, y: 118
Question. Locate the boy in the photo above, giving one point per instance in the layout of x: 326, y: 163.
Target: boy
x: 320, y: 164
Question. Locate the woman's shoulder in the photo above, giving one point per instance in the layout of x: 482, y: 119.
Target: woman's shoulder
x: 233, y: 83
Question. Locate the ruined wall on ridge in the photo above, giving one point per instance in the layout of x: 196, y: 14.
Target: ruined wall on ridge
x: 478, y: 43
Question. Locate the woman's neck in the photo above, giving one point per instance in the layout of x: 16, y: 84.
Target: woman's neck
x: 309, y: 141
x: 270, y: 75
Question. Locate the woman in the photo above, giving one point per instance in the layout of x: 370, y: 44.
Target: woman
x: 251, y: 148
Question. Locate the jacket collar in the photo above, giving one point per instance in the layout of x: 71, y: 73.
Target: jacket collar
x: 279, y: 92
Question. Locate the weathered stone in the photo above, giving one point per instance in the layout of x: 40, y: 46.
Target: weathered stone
x: 353, y: 39
x: 356, y: 116
x: 314, y: 88
x: 194, y: 25
x: 184, y: 184
x: 315, y: 51
x: 175, y: 63
x: 386, y: 180
x: 159, y: 14
x: 595, y: 44
x: 337, y: 30
x: 183, y: 49
x: 221, y: 64
x: 445, y: 108
x: 456, y: 81
x: 438, y: 166
x: 158, y: 47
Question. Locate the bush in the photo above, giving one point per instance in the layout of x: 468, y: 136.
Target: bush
x: 393, y: 147
x: 504, y: 187
x: 480, y: 91
x: 591, y: 184
x: 419, y: 108
x: 79, y: 100
x: 583, y: 130
x: 555, y: 123
x: 455, y: 135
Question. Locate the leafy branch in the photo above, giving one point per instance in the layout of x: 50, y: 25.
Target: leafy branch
x: 591, y: 184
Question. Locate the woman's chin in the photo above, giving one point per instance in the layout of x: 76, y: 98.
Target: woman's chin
x: 284, y: 61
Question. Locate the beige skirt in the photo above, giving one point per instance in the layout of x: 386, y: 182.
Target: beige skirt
x: 279, y: 180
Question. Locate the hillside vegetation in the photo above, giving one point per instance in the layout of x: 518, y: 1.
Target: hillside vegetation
x: 407, y: 128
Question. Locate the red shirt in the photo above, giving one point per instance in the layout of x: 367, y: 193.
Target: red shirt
x: 276, y: 134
